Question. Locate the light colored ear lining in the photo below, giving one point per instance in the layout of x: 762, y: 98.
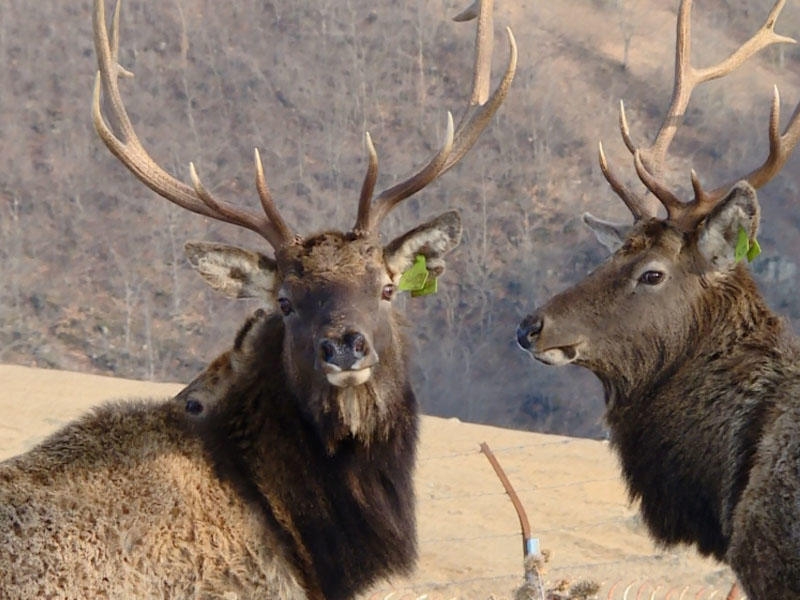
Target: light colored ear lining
x: 431, y: 244
x: 235, y: 272
x: 436, y: 266
x: 433, y: 239
x: 609, y: 234
x: 719, y: 233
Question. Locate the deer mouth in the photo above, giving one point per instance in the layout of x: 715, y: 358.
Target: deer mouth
x: 559, y: 355
x: 344, y: 378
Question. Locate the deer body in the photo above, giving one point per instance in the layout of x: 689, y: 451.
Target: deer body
x: 701, y: 379
x: 127, y: 502
x: 124, y: 504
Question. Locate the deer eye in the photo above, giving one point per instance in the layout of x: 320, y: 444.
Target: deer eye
x: 651, y: 277
x: 387, y: 292
x: 285, y: 305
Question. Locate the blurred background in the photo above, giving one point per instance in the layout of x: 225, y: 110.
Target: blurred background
x: 92, y: 272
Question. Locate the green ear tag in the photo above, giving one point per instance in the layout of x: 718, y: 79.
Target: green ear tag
x: 754, y: 251
x: 745, y: 247
x: 742, y: 245
x: 417, y: 279
x: 430, y: 287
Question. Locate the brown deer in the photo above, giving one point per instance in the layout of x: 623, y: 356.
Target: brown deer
x: 701, y: 379
x: 285, y: 470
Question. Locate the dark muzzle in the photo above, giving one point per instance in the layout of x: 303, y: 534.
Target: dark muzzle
x: 528, y: 329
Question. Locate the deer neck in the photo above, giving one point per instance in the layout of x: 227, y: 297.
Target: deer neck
x: 731, y: 329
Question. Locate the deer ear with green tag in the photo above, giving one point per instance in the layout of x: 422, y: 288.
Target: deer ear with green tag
x: 415, y: 260
x: 728, y: 234
x: 418, y: 279
x: 746, y: 247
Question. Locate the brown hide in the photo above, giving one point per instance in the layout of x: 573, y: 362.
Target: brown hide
x: 702, y: 387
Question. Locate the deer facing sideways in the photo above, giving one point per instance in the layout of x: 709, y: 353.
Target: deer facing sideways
x: 285, y: 471
x: 701, y: 379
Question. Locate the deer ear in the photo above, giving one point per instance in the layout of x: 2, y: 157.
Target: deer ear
x: 235, y: 272
x: 432, y: 240
x: 720, y: 230
x: 611, y: 235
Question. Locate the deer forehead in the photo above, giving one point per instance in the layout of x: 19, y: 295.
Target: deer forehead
x: 653, y: 235
x: 332, y: 256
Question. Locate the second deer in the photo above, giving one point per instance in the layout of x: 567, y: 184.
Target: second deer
x: 701, y: 378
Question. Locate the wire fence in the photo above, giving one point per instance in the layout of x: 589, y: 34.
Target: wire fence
x: 471, y: 544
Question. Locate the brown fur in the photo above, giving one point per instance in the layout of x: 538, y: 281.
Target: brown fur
x: 702, y: 384
x: 261, y: 478
x: 241, y: 499
x: 125, y: 503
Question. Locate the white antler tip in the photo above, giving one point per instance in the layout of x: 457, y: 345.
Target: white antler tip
x: 257, y: 159
x: 195, y: 178
x: 260, y: 179
x: 511, y: 39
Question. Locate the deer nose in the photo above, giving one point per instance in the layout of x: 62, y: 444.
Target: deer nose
x: 345, y: 352
x: 528, y: 329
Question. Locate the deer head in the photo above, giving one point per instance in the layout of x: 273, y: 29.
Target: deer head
x: 670, y: 278
x: 334, y: 289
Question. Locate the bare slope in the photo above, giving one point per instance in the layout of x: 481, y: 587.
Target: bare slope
x: 93, y: 277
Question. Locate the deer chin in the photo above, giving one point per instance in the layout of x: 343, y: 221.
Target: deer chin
x: 348, y: 378
x: 558, y: 356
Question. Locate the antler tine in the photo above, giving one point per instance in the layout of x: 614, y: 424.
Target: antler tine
x: 368, y: 187
x: 388, y: 199
x: 780, y: 149
x: 476, y: 117
x: 642, y: 207
x: 687, y: 77
x: 634, y: 203
x: 624, y: 129
x: 129, y: 150
x: 670, y: 201
x: 274, y: 219
x: 650, y: 162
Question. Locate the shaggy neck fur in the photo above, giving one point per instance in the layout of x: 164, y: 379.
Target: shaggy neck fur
x: 688, y: 416
x: 334, y: 480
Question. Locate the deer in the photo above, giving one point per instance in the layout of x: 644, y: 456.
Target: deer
x: 701, y: 379
x: 285, y: 470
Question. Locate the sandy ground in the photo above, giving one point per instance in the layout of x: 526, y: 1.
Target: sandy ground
x: 470, y: 541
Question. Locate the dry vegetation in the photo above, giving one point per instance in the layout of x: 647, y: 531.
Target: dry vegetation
x: 93, y: 276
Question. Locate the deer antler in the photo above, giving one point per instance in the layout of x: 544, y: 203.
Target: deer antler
x: 479, y: 112
x: 129, y: 150
x: 649, y: 162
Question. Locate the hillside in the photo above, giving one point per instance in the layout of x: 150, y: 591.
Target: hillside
x: 93, y: 276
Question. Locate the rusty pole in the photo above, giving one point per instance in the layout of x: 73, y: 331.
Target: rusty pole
x: 530, y: 545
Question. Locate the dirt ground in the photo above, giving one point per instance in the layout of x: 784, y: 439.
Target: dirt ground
x: 470, y: 541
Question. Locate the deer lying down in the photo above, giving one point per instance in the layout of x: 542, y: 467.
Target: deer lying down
x: 285, y: 471
x: 702, y: 380
x: 129, y: 502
